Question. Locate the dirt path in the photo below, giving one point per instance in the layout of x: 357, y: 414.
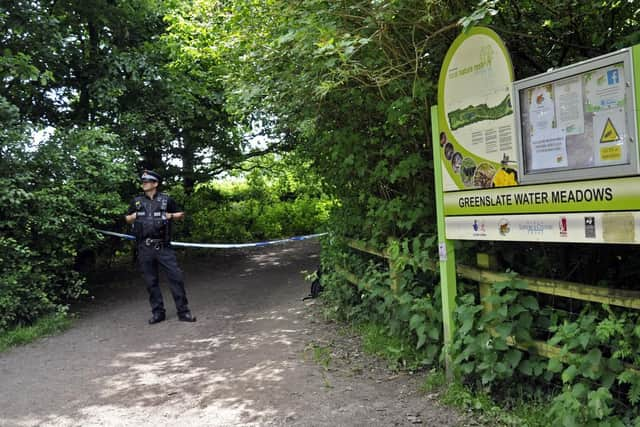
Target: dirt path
x: 246, y: 362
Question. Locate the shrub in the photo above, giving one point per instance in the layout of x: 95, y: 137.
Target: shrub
x: 54, y: 195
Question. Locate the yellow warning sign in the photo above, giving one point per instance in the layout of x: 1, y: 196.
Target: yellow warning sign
x: 611, y: 153
x: 609, y: 134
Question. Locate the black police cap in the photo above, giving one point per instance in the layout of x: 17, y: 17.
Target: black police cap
x: 150, y: 175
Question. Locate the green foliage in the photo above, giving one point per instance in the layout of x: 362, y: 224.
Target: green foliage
x: 598, y: 349
x: 481, y: 16
x: 594, y: 364
x: 320, y: 354
x: 327, y: 76
x: 485, y: 410
x: 404, y: 321
x: 54, y: 195
x: 278, y: 200
x: 45, y: 326
x: 483, y: 346
x: 107, y: 63
x: 347, y: 86
x: 399, y: 352
x: 350, y: 84
x: 542, y: 35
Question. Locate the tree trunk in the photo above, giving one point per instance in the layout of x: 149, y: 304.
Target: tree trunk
x: 188, y: 162
x: 90, y: 56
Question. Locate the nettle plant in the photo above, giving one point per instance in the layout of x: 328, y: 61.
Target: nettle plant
x: 405, y: 304
x: 485, y: 343
x: 411, y: 312
x: 598, y: 362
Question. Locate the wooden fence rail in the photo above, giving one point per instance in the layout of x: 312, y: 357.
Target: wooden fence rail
x: 485, y: 277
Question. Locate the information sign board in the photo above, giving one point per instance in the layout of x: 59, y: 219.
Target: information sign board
x: 558, y: 164
x: 476, y: 116
x: 578, y: 122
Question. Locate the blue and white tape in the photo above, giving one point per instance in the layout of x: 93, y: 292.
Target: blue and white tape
x: 221, y: 245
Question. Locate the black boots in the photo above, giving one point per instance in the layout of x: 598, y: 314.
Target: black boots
x: 157, y: 318
x: 186, y: 317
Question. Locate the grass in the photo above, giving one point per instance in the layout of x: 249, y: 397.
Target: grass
x: 48, y: 325
x: 320, y: 354
x: 399, y: 354
x: 521, y: 410
x: 525, y: 412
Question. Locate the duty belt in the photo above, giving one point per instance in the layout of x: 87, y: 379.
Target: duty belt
x: 156, y: 243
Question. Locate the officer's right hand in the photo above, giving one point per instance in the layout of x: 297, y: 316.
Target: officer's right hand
x: 131, y: 218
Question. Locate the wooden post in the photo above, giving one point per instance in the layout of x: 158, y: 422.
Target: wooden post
x: 395, y: 278
x: 488, y: 262
x: 394, y: 274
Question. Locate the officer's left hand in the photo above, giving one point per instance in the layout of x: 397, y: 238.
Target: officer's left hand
x: 175, y: 215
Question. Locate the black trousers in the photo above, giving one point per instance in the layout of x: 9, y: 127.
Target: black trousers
x: 150, y: 259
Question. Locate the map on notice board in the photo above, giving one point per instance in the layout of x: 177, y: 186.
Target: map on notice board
x: 476, y: 113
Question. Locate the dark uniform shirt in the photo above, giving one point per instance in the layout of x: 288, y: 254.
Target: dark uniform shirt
x: 153, y: 232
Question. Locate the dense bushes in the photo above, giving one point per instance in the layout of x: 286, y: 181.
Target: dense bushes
x: 251, y: 219
x: 53, y: 195
x: 591, y: 380
x: 280, y: 200
x: 402, y: 307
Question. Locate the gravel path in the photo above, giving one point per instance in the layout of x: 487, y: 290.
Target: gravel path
x: 247, y: 361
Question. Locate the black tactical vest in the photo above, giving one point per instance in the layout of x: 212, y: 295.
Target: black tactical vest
x: 151, y: 219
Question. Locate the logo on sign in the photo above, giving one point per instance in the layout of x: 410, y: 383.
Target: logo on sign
x: 504, y: 227
x: 479, y: 228
x: 563, y: 226
x: 535, y: 227
x: 590, y: 227
x: 613, y: 77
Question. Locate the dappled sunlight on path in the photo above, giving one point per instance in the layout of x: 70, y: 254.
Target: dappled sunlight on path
x: 243, y: 363
x: 113, y: 369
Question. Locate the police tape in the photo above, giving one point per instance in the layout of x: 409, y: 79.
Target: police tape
x: 221, y: 245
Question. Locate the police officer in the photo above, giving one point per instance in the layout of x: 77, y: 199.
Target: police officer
x: 151, y: 215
